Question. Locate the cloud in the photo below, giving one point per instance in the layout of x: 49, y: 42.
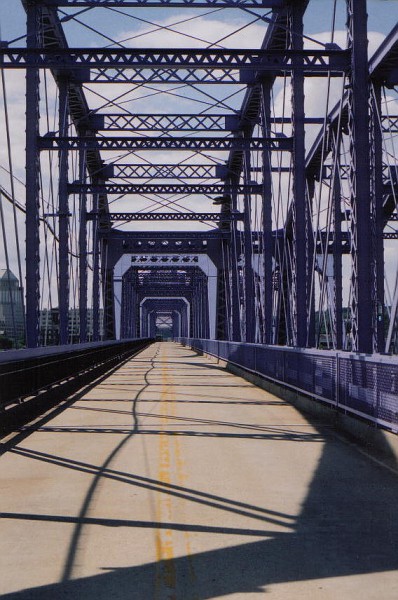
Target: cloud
x: 186, y: 99
x: 199, y: 33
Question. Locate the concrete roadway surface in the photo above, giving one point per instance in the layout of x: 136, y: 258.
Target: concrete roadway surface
x: 171, y: 479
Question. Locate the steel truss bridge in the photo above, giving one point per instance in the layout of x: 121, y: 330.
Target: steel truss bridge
x: 279, y: 163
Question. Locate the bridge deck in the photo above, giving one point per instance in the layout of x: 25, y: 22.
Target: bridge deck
x: 173, y: 479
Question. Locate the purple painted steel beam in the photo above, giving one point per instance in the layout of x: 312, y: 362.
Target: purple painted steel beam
x: 359, y: 125
x: 51, y: 142
x: 377, y: 197
x: 249, y: 298
x: 232, y: 278
x: 162, y: 76
x: 82, y: 252
x: 32, y: 185
x: 107, y: 293
x: 158, y: 188
x: 383, y: 64
x: 128, y: 217
x: 165, y: 171
x: 267, y: 216
x: 266, y: 4
x: 63, y: 247
x: 171, y: 122
x: 337, y: 247
x: 97, y: 242
x: 253, y: 61
x: 300, y: 226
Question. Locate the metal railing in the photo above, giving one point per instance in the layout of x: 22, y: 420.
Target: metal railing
x: 363, y: 385
x: 25, y: 373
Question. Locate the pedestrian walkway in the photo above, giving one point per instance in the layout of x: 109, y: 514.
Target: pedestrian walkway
x: 172, y: 479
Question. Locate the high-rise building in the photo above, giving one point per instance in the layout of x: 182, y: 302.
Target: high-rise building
x: 49, y: 325
x: 12, y: 320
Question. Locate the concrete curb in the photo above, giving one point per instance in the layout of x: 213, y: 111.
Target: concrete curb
x: 375, y: 442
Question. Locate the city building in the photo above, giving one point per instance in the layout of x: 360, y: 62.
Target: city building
x: 49, y: 326
x: 12, y: 321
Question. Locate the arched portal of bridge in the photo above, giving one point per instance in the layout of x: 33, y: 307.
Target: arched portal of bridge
x: 173, y: 312
x: 192, y: 277
x: 303, y: 237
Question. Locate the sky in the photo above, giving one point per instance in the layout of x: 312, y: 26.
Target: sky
x: 383, y: 14
x: 213, y: 26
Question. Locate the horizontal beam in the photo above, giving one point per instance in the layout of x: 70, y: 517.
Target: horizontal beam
x: 128, y: 217
x: 73, y: 59
x: 170, y: 122
x: 327, y: 171
x: 383, y: 64
x: 167, y: 171
x: 166, y: 3
x: 156, y: 188
x: 161, y: 240
x: 389, y: 123
x: 193, y: 76
x: 172, y: 259
x: 159, y: 76
x: 51, y: 142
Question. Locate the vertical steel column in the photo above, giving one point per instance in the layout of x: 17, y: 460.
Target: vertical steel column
x: 361, y: 228
x: 128, y: 309
x: 184, y: 322
x: 198, y: 308
x: 175, y: 327
x: 179, y: 323
x: 33, y: 11
x: 135, y: 307
x: 250, y: 315
x: 310, y: 262
x: 200, y: 299
x: 206, y: 315
x: 337, y: 246
x: 96, y: 271
x: 223, y: 307
x: 300, y: 210
x: 190, y: 327
x: 82, y: 248
x: 233, y: 275
x: 152, y: 324
x: 194, y: 314
x: 109, y: 308
x: 107, y: 290
x: 63, y: 216
x: 267, y: 215
x: 129, y: 306
x: 125, y: 308
x: 143, y: 321
x: 377, y: 216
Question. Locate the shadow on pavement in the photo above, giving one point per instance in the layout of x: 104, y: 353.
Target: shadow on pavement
x: 347, y: 526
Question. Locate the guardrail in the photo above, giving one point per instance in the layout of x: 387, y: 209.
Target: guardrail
x: 26, y: 373
x: 364, y: 385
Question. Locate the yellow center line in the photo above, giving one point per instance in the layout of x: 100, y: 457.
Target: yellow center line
x: 166, y: 572
x: 181, y: 480
x: 168, y: 507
